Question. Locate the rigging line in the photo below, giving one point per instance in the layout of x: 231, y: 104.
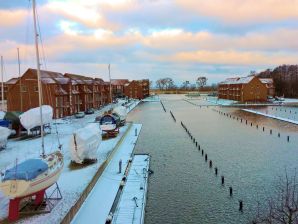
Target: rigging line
x: 41, y: 42
x: 26, y: 55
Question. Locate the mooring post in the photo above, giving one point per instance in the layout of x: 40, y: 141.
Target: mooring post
x: 240, y: 205
x: 231, y: 191
x: 136, y: 132
x: 216, y: 170
x: 222, y: 180
x: 120, y: 165
x: 206, y: 157
x: 288, y: 138
x: 210, y: 163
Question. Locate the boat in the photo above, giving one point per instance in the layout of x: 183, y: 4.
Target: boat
x: 122, y: 113
x: 30, y: 119
x: 4, y: 134
x: 84, y: 144
x: 108, y: 122
x: 32, y: 176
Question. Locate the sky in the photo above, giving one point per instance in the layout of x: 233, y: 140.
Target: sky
x: 181, y: 39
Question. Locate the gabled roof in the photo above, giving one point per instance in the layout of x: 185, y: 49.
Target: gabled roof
x: 12, y: 81
x: 120, y: 82
x: 267, y: 81
x: 49, y: 77
x: 238, y: 80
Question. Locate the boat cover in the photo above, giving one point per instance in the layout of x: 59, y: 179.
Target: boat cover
x: 31, y: 118
x: 27, y: 170
x: 85, y: 142
x: 4, y: 134
x: 2, y: 114
x: 121, y: 111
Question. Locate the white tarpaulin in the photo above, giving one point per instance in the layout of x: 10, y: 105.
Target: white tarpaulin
x: 4, y: 134
x: 121, y: 111
x: 31, y: 118
x: 2, y: 115
x: 84, y: 143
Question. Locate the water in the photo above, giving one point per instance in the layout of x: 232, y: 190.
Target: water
x: 183, y: 189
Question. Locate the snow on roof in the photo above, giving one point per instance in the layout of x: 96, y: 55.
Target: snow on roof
x: 119, y: 81
x: 267, y: 81
x: 238, y: 80
x: 12, y: 81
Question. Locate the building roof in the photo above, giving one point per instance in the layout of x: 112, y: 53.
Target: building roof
x: 12, y: 81
x: 49, y: 77
x: 120, y: 82
x: 238, y: 80
x: 267, y: 81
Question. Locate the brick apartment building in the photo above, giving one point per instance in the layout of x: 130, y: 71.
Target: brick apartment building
x: 118, y: 87
x: 54, y: 89
x: 68, y: 93
x: 137, y: 89
x: 245, y: 89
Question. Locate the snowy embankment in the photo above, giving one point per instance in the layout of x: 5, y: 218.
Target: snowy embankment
x: 73, y: 180
x: 271, y: 116
x: 152, y: 99
x: 98, y: 204
x: 131, y: 208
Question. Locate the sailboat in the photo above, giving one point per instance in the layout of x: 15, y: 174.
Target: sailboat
x: 33, y: 176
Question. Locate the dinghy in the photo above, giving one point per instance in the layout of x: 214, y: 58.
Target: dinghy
x: 84, y: 143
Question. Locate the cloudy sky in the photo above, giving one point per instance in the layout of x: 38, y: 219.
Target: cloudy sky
x: 182, y: 39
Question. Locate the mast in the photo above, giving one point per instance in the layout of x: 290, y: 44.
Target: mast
x: 38, y: 77
x: 110, y: 83
x: 20, y: 80
x: 2, y: 85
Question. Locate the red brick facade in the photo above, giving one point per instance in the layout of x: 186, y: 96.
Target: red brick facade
x: 244, y: 89
x: 69, y: 93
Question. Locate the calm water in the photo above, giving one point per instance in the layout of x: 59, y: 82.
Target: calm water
x: 183, y: 189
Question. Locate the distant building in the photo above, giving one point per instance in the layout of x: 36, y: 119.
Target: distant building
x: 68, y: 93
x: 54, y: 89
x: 137, y: 89
x: 270, y: 86
x: 118, y: 87
x: 244, y: 89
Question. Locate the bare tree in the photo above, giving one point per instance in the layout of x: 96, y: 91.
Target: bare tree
x: 165, y: 83
x: 283, y: 206
x: 201, y: 81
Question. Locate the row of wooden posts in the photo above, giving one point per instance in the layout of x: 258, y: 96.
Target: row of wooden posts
x: 248, y: 122
x: 204, y: 154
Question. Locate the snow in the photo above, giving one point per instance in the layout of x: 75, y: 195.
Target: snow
x: 154, y: 98
x: 271, y: 116
x: 31, y: 118
x: 222, y: 102
x: 73, y: 180
x: 135, y: 187
x: 97, y: 206
x: 2, y: 115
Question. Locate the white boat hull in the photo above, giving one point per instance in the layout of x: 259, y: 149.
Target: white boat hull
x: 108, y: 127
x: 22, y: 188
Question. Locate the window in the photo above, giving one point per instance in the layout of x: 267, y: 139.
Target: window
x: 24, y: 88
x: 35, y: 88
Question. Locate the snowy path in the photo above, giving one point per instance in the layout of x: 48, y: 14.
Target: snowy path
x: 271, y: 116
x: 128, y: 210
x: 97, y: 206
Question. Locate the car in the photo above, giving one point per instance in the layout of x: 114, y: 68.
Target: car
x: 79, y: 115
x: 89, y: 111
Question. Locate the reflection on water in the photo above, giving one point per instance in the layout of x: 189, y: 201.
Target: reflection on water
x: 183, y: 189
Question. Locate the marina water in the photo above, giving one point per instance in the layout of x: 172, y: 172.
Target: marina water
x: 183, y: 189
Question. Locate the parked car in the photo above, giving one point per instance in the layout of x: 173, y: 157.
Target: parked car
x: 89, y: 111
x: 79, y: 115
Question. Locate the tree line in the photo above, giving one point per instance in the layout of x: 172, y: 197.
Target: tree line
x: 200, y: 83
x: 285, y: 79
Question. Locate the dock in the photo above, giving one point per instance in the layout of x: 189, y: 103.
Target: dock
x: 132, y: 202
x: 99, y: 202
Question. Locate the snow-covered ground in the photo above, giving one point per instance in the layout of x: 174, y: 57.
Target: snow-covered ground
x: 98, y: 204
x: 131, y: 208
x: 72, y: 180
x: 223, y: 102
x: 293, y: 120
x: 154, y: 98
